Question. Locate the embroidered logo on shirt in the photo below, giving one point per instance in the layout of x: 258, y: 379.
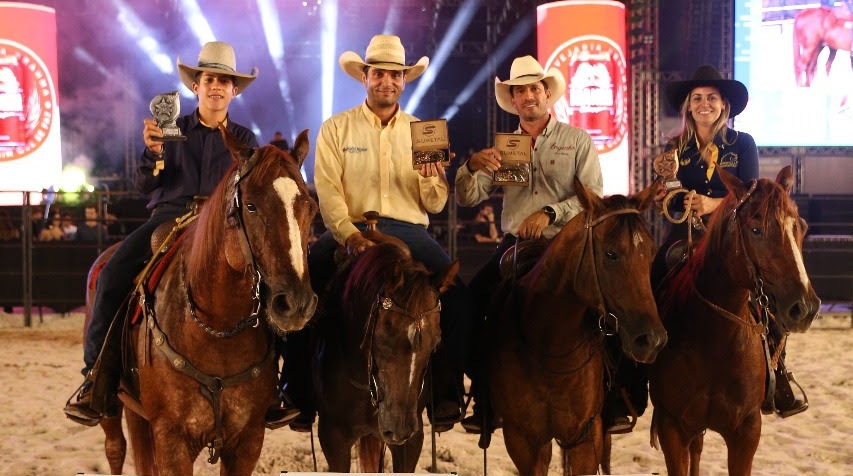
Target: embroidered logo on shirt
x: 354, y: 149
x: 561, y: 148
x: 728, y: 160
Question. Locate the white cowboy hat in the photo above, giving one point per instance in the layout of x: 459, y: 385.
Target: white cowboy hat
x: 526, y: 70
x: 216, y: 57
x: 383, y: 52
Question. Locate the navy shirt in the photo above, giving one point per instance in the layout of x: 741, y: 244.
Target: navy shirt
x: 737, y: 154
x: 192, y: 167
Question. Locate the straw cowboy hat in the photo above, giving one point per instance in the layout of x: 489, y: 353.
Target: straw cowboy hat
x: 526, y: 70
x: 383, y: 52
x: 706, y: 75
x: 216, y: 57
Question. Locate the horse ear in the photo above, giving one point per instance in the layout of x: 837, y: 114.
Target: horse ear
x: 786, y: 178
x: 732, y: 182
x: 589, y: 200
x: 445, y: 279
x: 239, y: 150
x: 300, y: 147
x: 646, y: 198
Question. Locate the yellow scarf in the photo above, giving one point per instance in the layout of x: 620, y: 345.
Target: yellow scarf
x: 710, y: 155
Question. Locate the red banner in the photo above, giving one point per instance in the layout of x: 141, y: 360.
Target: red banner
x: 30, y: 157
x: 585, y: 40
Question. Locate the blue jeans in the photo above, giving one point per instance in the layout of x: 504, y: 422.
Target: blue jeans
x: 115, y: 281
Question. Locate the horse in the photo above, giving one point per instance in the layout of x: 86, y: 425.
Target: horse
x: 378, y: 326
x: 814, y: 29
x: 712, y: 373
x: 206, y: 366
x: 545, y: 368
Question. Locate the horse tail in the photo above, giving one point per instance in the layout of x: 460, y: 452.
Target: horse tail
x: 653, y: 432
x: 797, y: 41
x: 370, y: 454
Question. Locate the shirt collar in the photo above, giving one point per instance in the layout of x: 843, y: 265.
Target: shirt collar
x: 375, y: 120
x: 195, y: 121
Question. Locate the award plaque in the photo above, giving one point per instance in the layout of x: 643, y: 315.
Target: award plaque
x: 165, y: 108
x: 430, y: 143
x: 666, y: 165
x: 515, y: 159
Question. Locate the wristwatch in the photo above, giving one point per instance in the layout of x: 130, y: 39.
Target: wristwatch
x: 552, y: 215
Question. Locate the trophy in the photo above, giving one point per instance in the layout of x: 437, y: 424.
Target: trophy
x: 515, y: 159
x: 666, y: 165
x: 165, y: 108
x: 430, y: 143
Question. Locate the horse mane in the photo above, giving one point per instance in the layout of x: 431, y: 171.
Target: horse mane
x: 384, y: 269
x: 212, y: 223
x: 768, y: 196
x: 629, y: 223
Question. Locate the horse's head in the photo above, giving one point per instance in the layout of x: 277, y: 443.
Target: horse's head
x: 268, y: 222
x: 398, y: 300
x: 612, y: 273
x: 760, y: 222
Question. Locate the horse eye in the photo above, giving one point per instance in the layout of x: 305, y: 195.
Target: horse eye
x: 756, y: 231
x: 611, y: 255
x: 251, y: 207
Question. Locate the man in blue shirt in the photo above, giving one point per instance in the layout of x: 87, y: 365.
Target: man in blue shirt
x: 172, y: 173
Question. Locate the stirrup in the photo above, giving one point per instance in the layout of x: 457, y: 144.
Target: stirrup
x: 799, y: 405
x: 81, y: 411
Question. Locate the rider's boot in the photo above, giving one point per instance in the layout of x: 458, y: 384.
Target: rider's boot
x: 787, y: 403
x: 80, y: 410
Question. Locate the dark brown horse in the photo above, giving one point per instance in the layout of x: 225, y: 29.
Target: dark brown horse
x: 815, y: 29
x: 379, y: 326
x: 546, y: 370
x: 206, y: 366
x: 712, y: 373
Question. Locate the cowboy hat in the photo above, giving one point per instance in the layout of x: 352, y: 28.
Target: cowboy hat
x: 734, y: 91
x: 216, y: 57
x: 526, y: 70
x: 383, y: 52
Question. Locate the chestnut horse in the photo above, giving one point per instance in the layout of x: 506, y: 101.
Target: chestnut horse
x: 814, y: 29
x: 546, y: 369
x: 206, y: 367
x: 712, y: 373
x: 379, y: 327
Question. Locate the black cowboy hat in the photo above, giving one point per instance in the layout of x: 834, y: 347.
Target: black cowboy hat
x: 734, y: 91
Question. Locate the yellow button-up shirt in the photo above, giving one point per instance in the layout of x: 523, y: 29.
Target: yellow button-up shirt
x: 362, y: 166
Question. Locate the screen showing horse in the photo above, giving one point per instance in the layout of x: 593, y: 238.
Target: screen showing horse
x: 794, y: 56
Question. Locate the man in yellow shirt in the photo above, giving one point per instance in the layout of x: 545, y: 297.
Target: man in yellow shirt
x: 363, y: 163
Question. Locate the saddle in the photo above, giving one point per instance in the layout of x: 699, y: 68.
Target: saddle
x: 520, y: 258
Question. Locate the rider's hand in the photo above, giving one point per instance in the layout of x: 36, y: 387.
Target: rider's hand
x: 700, y: 204
x: 357, y: 243
x: 432, y: 169
x: 150, y: 130
x: 486, y: 159
x: 533, y: 225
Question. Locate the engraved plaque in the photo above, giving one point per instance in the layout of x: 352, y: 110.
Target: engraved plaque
x: 515, y: 159
x: 430, y: 143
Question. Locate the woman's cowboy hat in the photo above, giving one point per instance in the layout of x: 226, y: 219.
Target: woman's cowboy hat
x: 706, y: 75
x: 216, y: 57
x: 383, y: 52
x: 526, y: 70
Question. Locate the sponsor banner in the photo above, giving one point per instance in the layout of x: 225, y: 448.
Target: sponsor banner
x: 585, y: 40
x: 30, y: 146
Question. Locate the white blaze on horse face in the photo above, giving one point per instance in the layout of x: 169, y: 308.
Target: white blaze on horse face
x: 288, y: 191
x: 637, y: 239
x: 413, y: 330
x: 798, y: 255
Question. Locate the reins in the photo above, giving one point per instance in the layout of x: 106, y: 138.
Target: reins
x: 588, y: 243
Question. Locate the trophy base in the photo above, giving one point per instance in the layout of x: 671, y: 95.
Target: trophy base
x: 169, y: 138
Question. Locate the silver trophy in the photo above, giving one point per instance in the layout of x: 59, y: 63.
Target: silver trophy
x: 165, y: 108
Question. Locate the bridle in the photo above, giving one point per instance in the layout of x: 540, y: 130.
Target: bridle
x: 603, y: 314
x: 762, y: 301
x: 387, y: 304
x: 235, y: 218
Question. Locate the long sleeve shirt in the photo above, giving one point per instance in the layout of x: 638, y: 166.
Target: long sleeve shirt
x: 560, y: 153
x: 737, y: 154
x: 362, y: 166
x: 192, y: 167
